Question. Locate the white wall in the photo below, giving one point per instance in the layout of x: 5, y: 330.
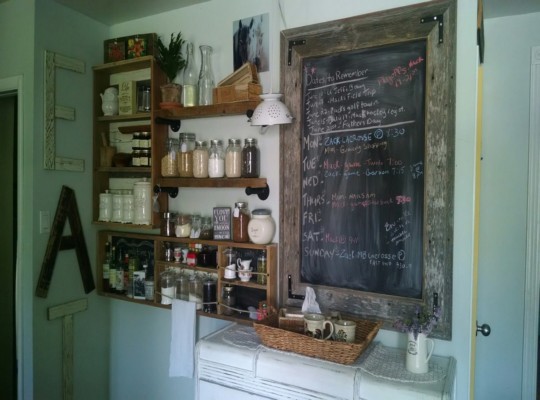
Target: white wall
x: 503, y: 200
x: 128, y: 319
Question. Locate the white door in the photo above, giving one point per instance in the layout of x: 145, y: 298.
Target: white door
x: 508, y: 281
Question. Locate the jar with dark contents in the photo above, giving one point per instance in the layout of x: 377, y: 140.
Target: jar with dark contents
x: 209, y: 295
x: 228, y: 299
x: 168, y: 223
x: 250, y: 159
x: 241, y: 217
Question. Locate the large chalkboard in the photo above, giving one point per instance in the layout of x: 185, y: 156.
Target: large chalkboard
x: 363, y: 144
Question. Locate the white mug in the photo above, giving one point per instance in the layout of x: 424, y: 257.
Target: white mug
x: 243, y: 265
x: 230, y: 272
x: 344, y: 331
x: 417, y: 353
x: 314, y: 325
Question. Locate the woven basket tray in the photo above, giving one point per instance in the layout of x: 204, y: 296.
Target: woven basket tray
x: 340, y: 352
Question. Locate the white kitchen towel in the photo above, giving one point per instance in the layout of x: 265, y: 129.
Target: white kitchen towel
x: 183, y: 325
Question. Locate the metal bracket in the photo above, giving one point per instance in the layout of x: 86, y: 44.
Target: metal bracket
x: 293, y: 43
x: 289, y: 289
x: 173, y: 123
x: 171, y: 191
x: 262, y: 192
x: 436, y: 18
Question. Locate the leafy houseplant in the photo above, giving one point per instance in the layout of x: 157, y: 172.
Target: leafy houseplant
x: 423, y: 321
x: 171, y: 61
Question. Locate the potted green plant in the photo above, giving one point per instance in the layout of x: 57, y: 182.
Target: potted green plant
x: 171, y: 61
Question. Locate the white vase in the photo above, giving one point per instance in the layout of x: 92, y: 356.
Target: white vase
x: 418, y: 355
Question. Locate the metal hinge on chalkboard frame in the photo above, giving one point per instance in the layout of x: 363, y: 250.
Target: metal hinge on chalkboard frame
x: 436, y: 18
x: 293, y: 43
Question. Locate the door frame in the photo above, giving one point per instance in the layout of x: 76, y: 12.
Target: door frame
x: 23, y: 314
x: 532, y: 270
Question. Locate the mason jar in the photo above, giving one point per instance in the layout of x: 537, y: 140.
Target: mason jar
x: 216, y: 159
x: 233, y: 159
x: 200, y: 159
x: 240, y: 221
x: 250, y: 159
x: 185, y: 158
x: 169, y: 164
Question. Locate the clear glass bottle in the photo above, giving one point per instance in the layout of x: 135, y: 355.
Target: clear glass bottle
x: 200, y: 159
x: 240, y: 221
x: 185, y: 158
x: 190, y: 85
x: 233, y: 159
x: 206, y: 77
x: 169, y: 165
x: 216, y: 159
x: 250, y: 159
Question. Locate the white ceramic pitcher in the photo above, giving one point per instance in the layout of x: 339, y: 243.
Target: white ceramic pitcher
x: 417, y: 353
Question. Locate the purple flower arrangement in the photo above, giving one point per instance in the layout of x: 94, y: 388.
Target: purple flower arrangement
x: 422, y: 321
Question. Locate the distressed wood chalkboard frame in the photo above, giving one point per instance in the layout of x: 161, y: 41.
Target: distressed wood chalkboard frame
x: 435, y: 22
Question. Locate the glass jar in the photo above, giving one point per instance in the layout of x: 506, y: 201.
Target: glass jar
x: 145, y: 159
x: 183, y: 225
x: 209, y: 295
x: 261, y: 269
x: 207, y: 230
x: 228, y: 299
x: 145, y: 140
x: 233, y: 159
x: 195, y: 226
x: 182, y: 286
x: 216, y: 159
x: 240, y: 221
x: 191, y: 77
x: 168, y: 221
x: 168, y: 252
x: 191, y: 256
x: 135, y: 141
x: 250, y: 159
x: 167, y: 286
x: 196, y: 291
x: 203, y: 257
x: 200, y: 159
x: 261, y: 227
x: 185, y: 159
x: 135, y: 157
x: 169, y: 166
x: 206, y: 77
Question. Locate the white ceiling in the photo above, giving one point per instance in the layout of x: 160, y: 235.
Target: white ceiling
x: 112, y: 12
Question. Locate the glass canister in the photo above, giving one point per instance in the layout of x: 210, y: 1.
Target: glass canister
x: 196, y: 291
x: 190, y: 91
x: 127, y: 204
x: 216, y: 159
x: 195, y: 226
x: 182, y: 286
x: 167, y: 286
x: 117, y: 207
x: 209, y: 295
x: 261, y: 227
x: 240, y: 221
x: 233, y: 159
x: 105, y: 206
x: 169, y: 164
x: 228, y: 299
x: 168, y: 222
x: 142, y: 201
x: 183, y: 225
x: 206, y: 77
x: 250, y: 159
x: 185, y: 155
x: 200, y: 159
x: 207, y: 230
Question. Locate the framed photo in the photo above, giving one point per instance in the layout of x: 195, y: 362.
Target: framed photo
x: 115, y: 50
x: 250, y: 42
x: 129, y: 47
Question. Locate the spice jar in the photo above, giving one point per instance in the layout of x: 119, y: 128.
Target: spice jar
x: 168, y: 221
x: 228, y: 299
x: 233, y: 159
x: 191, y: 256
x: 200, y: 159
x: 169, y: 166
x: 261, y: 268
x: 185, y: 158
x: 216, y: 159
x: 240, y: 222
x: 250, y: 159
x: 261, y: 227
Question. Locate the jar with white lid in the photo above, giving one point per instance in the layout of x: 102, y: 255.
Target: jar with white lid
x: 261, y: 227
x: 233, y: 159
x: 169, y: 163
x: 216, y: 159
x: 200, y: 159
x: 185, y: 155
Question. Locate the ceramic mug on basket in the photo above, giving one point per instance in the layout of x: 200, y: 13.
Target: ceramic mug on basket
x: 314, y: 325
x: 344, y: 331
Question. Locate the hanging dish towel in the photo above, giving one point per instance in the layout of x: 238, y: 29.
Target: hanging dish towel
x: 183, y: 322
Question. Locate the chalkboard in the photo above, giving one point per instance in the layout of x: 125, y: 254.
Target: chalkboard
x: 363, y: 144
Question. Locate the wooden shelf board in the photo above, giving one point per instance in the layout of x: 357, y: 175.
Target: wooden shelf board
x: 124, y: 65
x: 134, y: 170
x: 214, y: 110
x: 212, y: 182
x: 134, y: 128
x: 122, y: 118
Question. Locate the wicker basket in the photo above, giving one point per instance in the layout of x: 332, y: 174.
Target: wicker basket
x: 340, y: 352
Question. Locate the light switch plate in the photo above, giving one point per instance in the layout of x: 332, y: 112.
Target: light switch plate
x: 44, y: 222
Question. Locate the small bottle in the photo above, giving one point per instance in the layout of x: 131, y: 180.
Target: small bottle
x: 190, y: 86
x: 168, y: 221
x: 233, y: 159
x: 261, y: 268
x: 106, y: 267
x: 191, y: 256
x: 216, y: 159
x: 185, y: 156
x: 200, y: 159
x: 250, y: 159
x: 240, y: 221
x: 112, y: 271
x: 206, y: 77
x: 169, y: 163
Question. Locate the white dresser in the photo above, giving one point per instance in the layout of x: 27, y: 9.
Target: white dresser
x: 232, y: 364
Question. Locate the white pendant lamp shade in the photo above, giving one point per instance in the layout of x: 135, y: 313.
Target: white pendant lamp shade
x: 271, y: 111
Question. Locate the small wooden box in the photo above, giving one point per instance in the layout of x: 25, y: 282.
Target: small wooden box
x: 127, y: 47
x: 234, y: 93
